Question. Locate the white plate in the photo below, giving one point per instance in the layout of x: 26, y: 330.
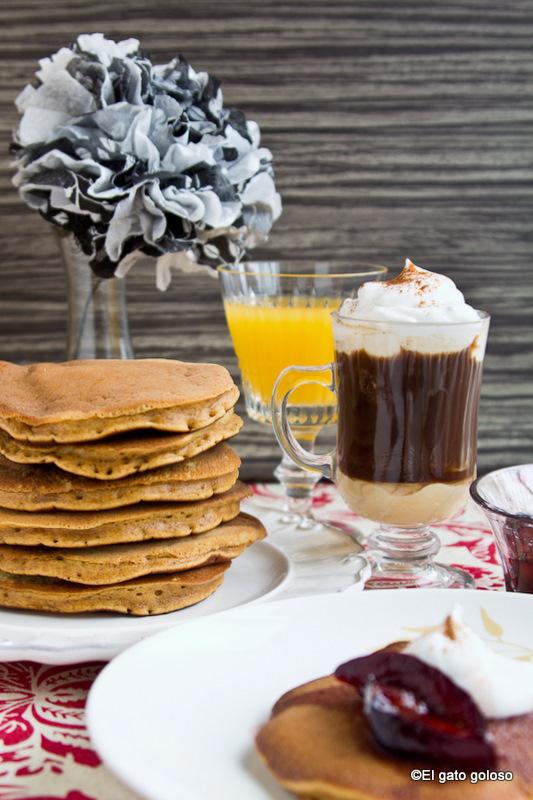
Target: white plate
x: 66, y: 639
x: 175, y: 716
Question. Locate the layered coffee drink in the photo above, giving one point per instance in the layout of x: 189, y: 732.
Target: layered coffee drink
x: 409, y: 360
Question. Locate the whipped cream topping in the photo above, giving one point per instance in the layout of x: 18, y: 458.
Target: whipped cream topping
x: 415, y: 295
x: 418, y: 311
x: 501, y: 687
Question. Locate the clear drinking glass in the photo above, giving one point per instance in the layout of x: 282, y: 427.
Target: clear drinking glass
x: 506, y: 497
x: 278, y: 313
x: 408, y: 397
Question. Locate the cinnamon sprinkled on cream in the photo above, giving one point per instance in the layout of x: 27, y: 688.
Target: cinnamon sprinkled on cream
x: 413, y: 277
x: 410, y: 274
x: 450, y: 629
x: 415, y: 295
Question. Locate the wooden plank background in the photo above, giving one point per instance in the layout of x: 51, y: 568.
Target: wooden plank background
x: 398, y: 127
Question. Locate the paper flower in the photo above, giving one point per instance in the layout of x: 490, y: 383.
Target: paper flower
x: 137, y: 158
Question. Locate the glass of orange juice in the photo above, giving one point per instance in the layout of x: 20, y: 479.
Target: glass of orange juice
x: 279, y: 313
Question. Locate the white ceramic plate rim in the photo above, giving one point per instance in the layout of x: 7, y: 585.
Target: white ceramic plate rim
x: 98, y: 637
x: 104, y: 703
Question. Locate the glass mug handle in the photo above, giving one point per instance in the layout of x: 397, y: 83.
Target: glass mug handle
x: 315, y: 462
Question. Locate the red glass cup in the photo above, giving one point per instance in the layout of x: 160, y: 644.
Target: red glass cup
x: 506, y: 498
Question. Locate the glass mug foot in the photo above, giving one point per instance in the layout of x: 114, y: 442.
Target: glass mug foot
x: 387, y: 574
x: 403, y: 559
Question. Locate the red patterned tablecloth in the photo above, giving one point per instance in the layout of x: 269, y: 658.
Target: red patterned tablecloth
x: 45, y: 752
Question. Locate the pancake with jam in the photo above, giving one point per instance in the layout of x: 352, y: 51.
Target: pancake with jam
x: 329, y: 740
x: 318, y: 745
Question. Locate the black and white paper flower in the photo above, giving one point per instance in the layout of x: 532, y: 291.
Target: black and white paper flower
x: 136, y: 158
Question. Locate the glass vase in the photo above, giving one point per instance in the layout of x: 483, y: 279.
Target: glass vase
x: 97, y: 323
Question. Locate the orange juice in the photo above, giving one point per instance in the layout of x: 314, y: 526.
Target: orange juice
x: 275, y: 332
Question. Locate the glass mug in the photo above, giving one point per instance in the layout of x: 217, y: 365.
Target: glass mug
x: 408, y: 398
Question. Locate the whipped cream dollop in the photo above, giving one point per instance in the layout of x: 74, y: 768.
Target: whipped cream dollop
x: 501, y: 687
x: 415, y: 295
x: 418, y: 311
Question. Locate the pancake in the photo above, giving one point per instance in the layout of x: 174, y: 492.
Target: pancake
x: 318, y: 744
x: 115, y: 563
x: 31, y: 487
x: 124, y: 455
x: 155, y: 594
x: 131, y: 524
x: 79, y: 401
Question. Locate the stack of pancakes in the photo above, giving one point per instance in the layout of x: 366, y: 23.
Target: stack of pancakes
x: 118, y: 491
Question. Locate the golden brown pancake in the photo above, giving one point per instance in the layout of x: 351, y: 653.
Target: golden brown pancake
x: 111, y: 564
x: 154, y: 594
x: 81, y: 401
x: 131, y: 524
x: 32, y: 487
x: 117, y: 457
x: 319, y: 745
